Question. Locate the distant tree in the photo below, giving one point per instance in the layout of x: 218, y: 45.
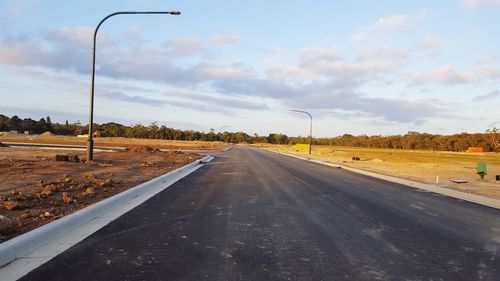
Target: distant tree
x: 493, y: 138
x: 15, y: 123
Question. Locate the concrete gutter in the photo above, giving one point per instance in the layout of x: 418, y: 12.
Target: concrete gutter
x: 22, y: 254
x: 481, y: 200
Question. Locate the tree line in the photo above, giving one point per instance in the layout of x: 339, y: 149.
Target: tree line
x: 489, y: 140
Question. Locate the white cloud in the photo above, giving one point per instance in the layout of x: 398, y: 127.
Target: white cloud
x: 185, y: 47
x: 360, y: 37
x: 226, y: 38
x: 431, y: 45
x: 490, y: 95
x: 395, y: 22
x: 441, y: 75
x: 16, y: 7
x: 477, y: 3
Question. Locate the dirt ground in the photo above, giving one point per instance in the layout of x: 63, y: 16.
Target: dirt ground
x: 35, y: 189
x: 116, y: 142
x: 421, y: 166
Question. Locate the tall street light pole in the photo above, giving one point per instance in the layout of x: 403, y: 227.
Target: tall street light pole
x: 90, y: 140
x: 310, y: 127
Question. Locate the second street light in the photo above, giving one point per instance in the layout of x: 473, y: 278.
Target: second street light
x: 310, y: 127
x: 90, y: 140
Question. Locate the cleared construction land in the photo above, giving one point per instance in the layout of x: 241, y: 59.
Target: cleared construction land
x: 114, y: 142
x: 35, y: 189
x: 421, y: 166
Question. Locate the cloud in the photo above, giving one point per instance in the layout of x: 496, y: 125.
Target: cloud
x: 226, y: 38
x: 445, y: 75
x: 61, y: 49
x: 74, y: 37
x: 395, y: 22
x: 369, y: 61
x: 221, y: 102
x: 333, y: 95
x: 360, y: 37
x: 487, y: 67
x: 431, y: 45
x: 490, y: 95
x: 119, y: 96
x: 16, y: 7
x: 317, y: 78
x: 477, y: 3
x: 185, y: 47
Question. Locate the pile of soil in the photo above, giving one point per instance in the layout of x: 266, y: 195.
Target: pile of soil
x: 142, y: 149
x: 47, y: 134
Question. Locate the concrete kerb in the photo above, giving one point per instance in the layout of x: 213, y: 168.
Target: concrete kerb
x: 477, y: 199
x: 22, y: 245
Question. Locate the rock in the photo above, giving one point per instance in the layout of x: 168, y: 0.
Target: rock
x: 24, y: 216
x: 148, y: 164
x: 106, y: 183
x: 65, y: 180
x: 74, y: 158
x: 12, y: 205
x: 62, y: 157
x: 67, y: 198
x: 89, y: 191
x: 39, y: 183
x: 47, y: 214
x: 48, y: 190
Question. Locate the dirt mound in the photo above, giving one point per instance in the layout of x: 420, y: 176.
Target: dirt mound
x: 142, y: 149
x: 47, y: 134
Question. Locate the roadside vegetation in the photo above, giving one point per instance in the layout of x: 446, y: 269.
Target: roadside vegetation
x: 489, y: 140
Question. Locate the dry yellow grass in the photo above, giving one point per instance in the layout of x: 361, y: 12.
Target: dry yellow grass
x: 421, y: 166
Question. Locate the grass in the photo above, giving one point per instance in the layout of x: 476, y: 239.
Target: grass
x: 417, y: 165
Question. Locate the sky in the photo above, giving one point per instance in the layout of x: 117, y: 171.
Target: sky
x: 359, y: 67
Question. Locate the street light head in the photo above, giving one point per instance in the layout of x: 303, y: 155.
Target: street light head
x: 174, y: 12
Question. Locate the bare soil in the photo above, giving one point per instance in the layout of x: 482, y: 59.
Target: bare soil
x: 115, y: 142
x: 35, y: 189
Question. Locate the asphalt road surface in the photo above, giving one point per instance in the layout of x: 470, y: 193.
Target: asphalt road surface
x: 255, y: 215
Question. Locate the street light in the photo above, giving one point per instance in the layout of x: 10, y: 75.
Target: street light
x: 90, y: 140
x: 310, y: 127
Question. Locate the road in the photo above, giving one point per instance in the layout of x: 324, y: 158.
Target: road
x: 256, y: 215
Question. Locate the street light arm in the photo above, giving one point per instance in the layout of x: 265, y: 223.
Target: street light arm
x: 310, y: 126
x: 90, y: 141
x: 173, y: 12
x: 301, y: 111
